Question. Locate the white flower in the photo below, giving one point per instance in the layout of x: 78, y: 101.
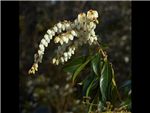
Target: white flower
x: 65, y: 54
x: 50, y: 36
x: 63, y: 27
x: 92, y: 15
x: 36, y: 66
x: 49, y: 31
x: 70, y: 37
x: 81, y: 17
x: 73, y: 33
x: 65, y: 39
x: 92, y: 25
x: 53, y: 33
x: 59, y: 25
x: 57, y: 62
x: 40, y: 52
x: 75, y: 22
x: 41, y: 46
x: 47, y: 38
x: 44, y: 42
x: 92, y: 33
x: 67, y: 26
x: 69, y: 54
x: 62, y: 59
x: 65, y: 59
x: 55, y: 29
x: 59, y: 30
x: 57, y: 39
x: 95, y: 38
x: 61, y: 41
x: 82, y: 28
x: 54, y: 60
x: 72, y: 52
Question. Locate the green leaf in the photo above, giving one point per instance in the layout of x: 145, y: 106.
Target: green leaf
x: 90, y: 108
x: 71, y: 69
x: 96, y: 64
x: 80, y: 68
x: 91, y: 86
x: 86, y: 83
x: 105, y: 80
x: 72, y: 66
x: 115, y: 91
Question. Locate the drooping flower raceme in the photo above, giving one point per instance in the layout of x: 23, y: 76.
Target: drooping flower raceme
x: 69, y: 36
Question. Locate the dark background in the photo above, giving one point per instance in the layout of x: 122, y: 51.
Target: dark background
x: 47, y: 90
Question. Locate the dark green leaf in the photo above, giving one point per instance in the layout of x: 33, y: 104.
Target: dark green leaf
x: 80, y: 68
x: 71, y: 69
x: 96, y: 64
x: 90, y: 108
x: 86, y: 83
x: 105, y: 80
x: 91, y: 86
x: 74, y: 64
x: 115, y: 93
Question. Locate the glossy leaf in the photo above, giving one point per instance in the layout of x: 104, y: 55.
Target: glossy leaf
x: 96, y: 64
x: 91, y: 86
x: 74, y: 64
x: 114, y: 86
x: 105, y: 80
x: 80, y: 68
x: 86, y: 83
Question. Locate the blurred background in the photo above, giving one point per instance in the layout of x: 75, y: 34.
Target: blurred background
x: 50, y: 90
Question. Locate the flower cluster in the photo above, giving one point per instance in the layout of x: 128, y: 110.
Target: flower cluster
x: 70, y: 35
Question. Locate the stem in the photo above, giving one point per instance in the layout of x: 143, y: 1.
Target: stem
x: 102, y: 51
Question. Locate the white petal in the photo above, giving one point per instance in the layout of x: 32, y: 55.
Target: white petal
x: 57, y: 39
x: 55, y: 29
x: 72, y: 52
x: 73, y: 33
x: 70, y: 49
x: 61, y: 41
x: 59, y: 31
x: 75, y: 22
x: 57, y: 62
x: 69, y: 54
x: 47, y: 38
x: 66, y: 59
x: 44, y: 42
x: 54, y: 60
x: 63, y: 27
x: 66, y: 40
x: 40, y: 52
x: 53, y: 33
x: 62, y: 59
x: 50, y: 36
x: 59, y: 25
x: 92, y: 33
x: 70, y: 37
x: 49, y: 32
x: 65, y: 54
x: 41, y: 46
x: 67, y: 25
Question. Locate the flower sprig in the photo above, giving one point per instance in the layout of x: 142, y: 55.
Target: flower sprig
x: 69, y: 36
